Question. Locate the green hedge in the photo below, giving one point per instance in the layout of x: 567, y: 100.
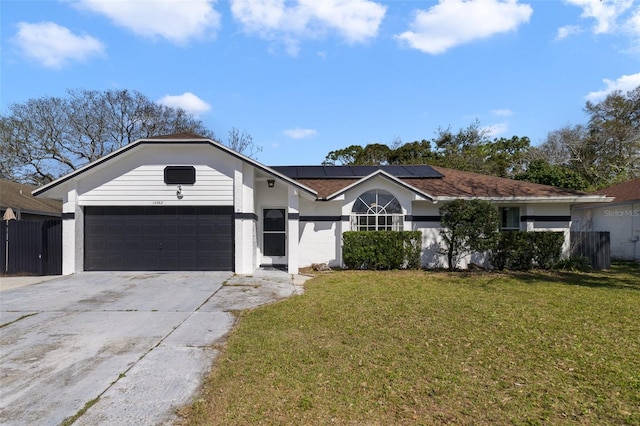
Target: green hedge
x: 378, y: 250
x: 522, y: 251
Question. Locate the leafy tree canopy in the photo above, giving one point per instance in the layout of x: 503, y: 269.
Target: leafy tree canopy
x: 469, y: 149
x: 540, y: 171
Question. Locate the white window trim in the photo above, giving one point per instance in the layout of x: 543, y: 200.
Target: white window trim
x: 370, y: 221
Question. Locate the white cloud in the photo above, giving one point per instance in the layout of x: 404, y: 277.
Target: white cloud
x: 53, y: 45
x: 187, y: 101
x: 605, y: 13
x: 300, y: 133
x: 175, y: 20
x: 633, y: 24
x: 355, y: 21
x: 496, y: 129
x: 623, y: 84
x: 568, y: 30
x: 454, y: 22
x: 502, y: 112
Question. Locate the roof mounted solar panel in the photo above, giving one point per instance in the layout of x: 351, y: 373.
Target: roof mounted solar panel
x: 351, y: 172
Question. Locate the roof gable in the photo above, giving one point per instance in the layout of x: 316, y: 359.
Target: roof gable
x: 185, y: 139
x: 382, y: 174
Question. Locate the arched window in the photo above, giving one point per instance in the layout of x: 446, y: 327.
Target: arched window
x: 376, y: 211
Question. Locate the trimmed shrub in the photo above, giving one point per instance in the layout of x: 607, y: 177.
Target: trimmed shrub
x: 522, y: 251
x: 378, y: 250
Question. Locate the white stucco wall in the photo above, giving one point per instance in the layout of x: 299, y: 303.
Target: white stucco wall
x: 245, y: 225
x: 320, y: 241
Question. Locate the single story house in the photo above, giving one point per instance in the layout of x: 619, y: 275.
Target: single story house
x: 183, y: 202
x: 18, y: 198
x: 621, y: 219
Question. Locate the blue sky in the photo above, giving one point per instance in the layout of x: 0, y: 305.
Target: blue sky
x: 305, y: 77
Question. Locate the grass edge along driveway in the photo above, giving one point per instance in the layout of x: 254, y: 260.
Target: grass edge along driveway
x: 435, y: 348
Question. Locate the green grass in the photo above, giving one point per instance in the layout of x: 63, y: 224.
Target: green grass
x: 379, y: 348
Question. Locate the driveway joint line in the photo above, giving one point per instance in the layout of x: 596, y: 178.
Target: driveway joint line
x: 123, y: 374
x: 17, y: 319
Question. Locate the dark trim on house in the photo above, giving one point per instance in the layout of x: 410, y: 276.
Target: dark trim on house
x: 320, y: 218
x: 36, y: 213
x: 293, y: 216
x: 534, y: 218
x: 424, y: 218
x: 68, y: 216
x: 245, y: 216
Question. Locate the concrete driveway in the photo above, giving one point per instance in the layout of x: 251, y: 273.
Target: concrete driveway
x: 129, y: 348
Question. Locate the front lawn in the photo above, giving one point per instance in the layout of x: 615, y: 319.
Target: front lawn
x: 380, y: 348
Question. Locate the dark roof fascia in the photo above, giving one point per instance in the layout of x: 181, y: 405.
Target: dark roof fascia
x: 34, y: 212
x: 152, y: 141
x: 385, y: 175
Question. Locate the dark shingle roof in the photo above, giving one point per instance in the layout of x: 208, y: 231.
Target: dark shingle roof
x: 18, y: 196
x: 452, y: 183
x: 626, y: 191
x: 177, y: 136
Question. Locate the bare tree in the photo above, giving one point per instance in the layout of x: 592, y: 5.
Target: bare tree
x: 242, y: 142
x: 604, y: 151
x: 48, y: 137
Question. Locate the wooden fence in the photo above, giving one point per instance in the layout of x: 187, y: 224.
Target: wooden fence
x: 595, y: 246
x: 31, y: 247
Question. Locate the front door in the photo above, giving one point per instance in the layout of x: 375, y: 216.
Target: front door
x: 274, y: 236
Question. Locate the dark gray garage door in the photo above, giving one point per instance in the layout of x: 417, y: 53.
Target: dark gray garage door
x: 158, y: 238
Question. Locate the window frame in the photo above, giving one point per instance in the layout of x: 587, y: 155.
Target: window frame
x: 383, y: 213
x: 180, y: 175
x: 506, y: 220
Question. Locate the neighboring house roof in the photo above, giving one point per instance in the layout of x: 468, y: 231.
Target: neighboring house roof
x: 18, y: 196
x: 626, y: 191
x: 448, y: 184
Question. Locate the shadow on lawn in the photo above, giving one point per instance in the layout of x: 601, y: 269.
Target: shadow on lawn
x: 622, y: 275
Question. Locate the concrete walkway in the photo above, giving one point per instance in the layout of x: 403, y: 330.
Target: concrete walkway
x: 130, y: 348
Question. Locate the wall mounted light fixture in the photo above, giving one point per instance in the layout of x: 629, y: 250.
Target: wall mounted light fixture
x: 179, y: 192
x: 271, y: 183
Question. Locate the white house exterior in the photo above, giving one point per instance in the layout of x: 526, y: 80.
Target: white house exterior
x: 621, y: 219
x: 184, y: 202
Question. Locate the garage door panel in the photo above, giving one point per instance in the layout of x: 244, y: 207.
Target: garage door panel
x: 159, y: 238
